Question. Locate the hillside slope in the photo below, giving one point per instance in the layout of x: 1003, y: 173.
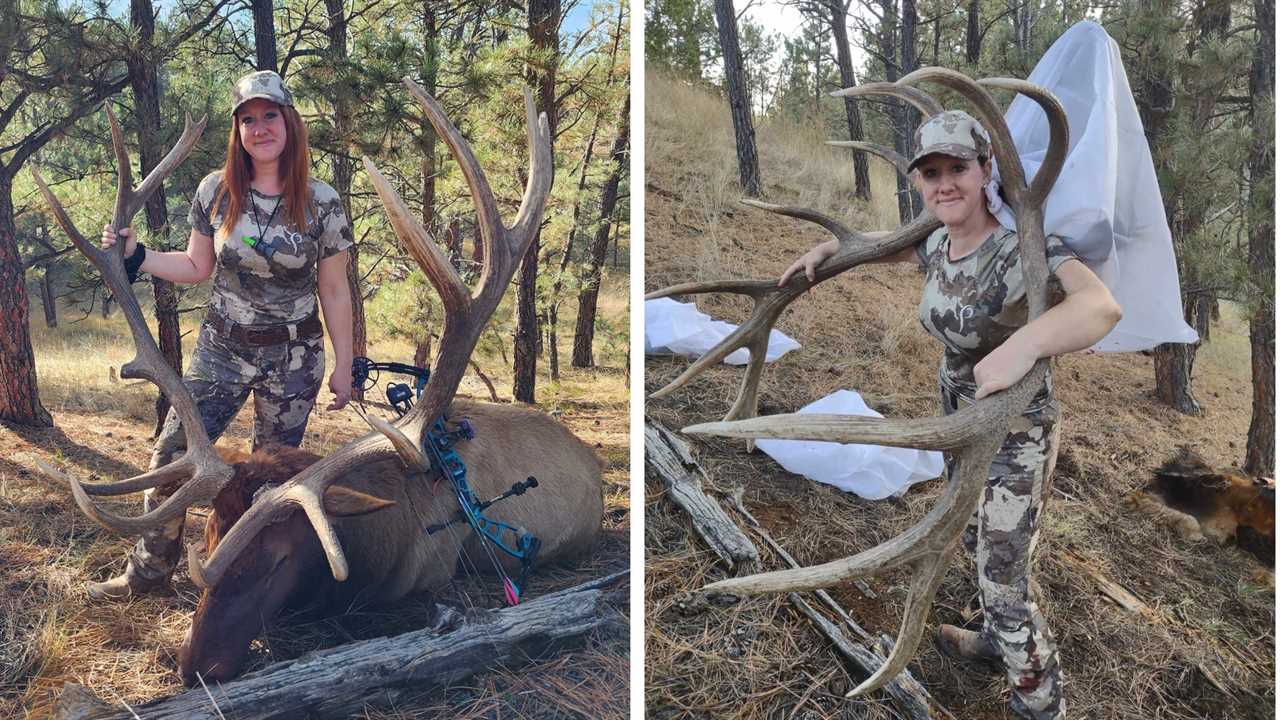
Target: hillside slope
x: 1214, y: 609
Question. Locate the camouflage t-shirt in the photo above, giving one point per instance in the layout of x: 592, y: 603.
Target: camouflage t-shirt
x: 974, y: 303
x: 275, y: 280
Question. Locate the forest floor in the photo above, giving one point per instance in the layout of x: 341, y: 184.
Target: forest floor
x: 51, y: 634
x: 1212, y: 608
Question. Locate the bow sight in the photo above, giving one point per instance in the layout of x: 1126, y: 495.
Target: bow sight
x: 438, y: 445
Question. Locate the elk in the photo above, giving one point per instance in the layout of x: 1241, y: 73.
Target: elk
x: 972, y: 435
x: 1200, y: 502
x: 353, y: 523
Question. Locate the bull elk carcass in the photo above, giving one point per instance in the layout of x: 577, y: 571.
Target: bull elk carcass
x: 1222, y: 505
x: 354, y: 523
x: 972, y: 435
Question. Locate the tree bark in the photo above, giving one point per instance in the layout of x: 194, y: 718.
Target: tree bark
x: 264, y: 35
x: 910, y: 116
x: 544, y: 33
x: 739, y: 100
x: 668, y: 457
x: 1260, y: 450
x: 584, y: 333
x: 47, y: 300
x: 853, y: 116
x: 972, y: 35
x: 343, y: 681
x: 142, y: 65
x: 428, y: 169
x: 19, y: 397
x: 343, y: 166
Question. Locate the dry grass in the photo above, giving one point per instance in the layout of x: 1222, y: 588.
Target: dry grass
x: 759, y: 658
x: 51, y: 634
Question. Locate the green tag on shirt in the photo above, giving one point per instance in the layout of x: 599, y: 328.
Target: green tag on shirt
x: 250, y: 241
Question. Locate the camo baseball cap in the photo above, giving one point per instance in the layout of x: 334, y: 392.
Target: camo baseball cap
x: 263, y: 84
x: 954, y: 133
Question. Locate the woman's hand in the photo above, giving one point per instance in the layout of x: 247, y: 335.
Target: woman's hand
x: 810, y: 261
x: 340, y: 386
x: 109, y: 237
x: 1003, y: 367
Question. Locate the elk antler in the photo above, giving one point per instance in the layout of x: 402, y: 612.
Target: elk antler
x: 200, y: 466
x: 769, y: 299
x: 974, y: 433
x: 466, y: 313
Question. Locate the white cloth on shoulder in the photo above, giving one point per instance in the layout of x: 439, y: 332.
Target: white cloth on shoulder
x: 871, y: 471
x: 675, y: 327
x: 1106, y: 203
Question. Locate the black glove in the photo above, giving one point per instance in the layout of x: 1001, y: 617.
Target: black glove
x: 134, y: 262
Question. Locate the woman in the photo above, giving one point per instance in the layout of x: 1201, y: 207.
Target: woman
x: 975, y: 304
x: 272, y: 239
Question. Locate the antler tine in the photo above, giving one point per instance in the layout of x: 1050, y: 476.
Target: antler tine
x: 487, y: 217
x: 1059, y: 134
x: 1011, y: 175
x: 200, y: 463
x: 124, y: 172
x: 886, y: 153
x: 828, y: 223
x: 949, y: 432
x: 919, y: 99
x: 771, y: 300
x: 191, y: 132
x: 438, y: 269
x: 464, y: 320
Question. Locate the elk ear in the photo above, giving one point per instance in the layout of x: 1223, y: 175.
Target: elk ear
x: 342, y: 501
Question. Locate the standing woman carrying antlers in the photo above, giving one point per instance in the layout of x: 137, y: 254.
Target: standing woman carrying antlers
x: 272, y: 239
x: 975, y: 304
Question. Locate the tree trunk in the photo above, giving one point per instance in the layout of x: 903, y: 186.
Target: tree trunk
x: 739, y: 100
x: 853, y: 116
x: 343, y: 167
x: 897, y: 111
x: 47, y: 299
x: 584, y: 333
x: 146, y: 98
x: 544, y: 34
x: 910, y: 116
x: 19, y: 397
x: 553, y: 311
x: 1260, y: 450
x: 264, y: 35
x: 972, y: 35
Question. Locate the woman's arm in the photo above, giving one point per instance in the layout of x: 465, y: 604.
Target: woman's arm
x: 195, y: 265
x: 810, y: 261
x: 1086, y: 315
x: 335, y: 301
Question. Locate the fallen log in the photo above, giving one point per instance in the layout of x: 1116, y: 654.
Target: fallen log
x: 907, y: 693
x: 339, y: 682
x: 669, y: 458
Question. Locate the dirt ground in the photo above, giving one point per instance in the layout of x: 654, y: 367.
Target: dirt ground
x: 1212, y: 608
x: 126, y: 652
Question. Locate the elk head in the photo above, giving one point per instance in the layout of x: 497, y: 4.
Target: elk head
x: 283, y: 565
x: 973, y: 434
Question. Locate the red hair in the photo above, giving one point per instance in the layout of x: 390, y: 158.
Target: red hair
x: 295, y: 169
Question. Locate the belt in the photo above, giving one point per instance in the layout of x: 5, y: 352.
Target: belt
x: 260, y: 335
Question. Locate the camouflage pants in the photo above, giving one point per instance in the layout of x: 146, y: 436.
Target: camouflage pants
x: 285, y: 380
x: 1003, y: 534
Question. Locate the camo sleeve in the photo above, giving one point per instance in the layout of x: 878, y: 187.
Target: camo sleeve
x: 200, y: 217
x: 331, y: 221
x: 1058, y: 253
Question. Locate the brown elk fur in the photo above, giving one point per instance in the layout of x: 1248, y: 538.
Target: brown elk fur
x: 381, y: 514
x: 1200, y: 502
